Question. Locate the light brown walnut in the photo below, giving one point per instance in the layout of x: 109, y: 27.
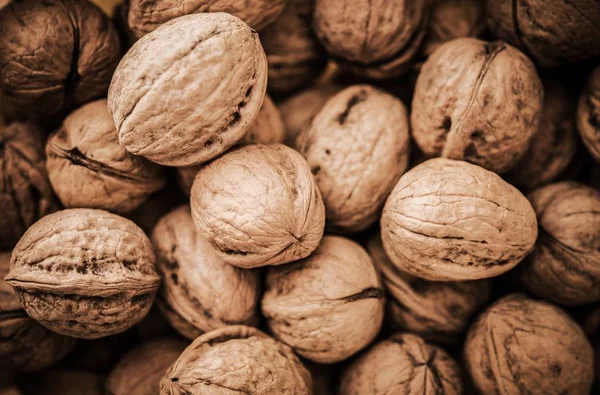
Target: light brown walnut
x: 588, y: 115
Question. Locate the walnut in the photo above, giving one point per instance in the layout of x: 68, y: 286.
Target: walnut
x: 377, y: 40
x: 477, y: 101
x: 402, y: 364
x: 258, y: 205
x: 84, y: 273
x: 237, y: 359
x: 64, y: 382
x: 25, y: 193
x: 588, y: 115
x: 552, y: 32
x: 61, y: 54
x: 357, y: 147
x: 189, y: 90
x: 313, y: 304
x: 141, y: 369
x: 520, y: 346
x: 437, y: 311
x: 451, y: 220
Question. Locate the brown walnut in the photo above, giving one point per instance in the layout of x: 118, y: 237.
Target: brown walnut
x: 588, y: 115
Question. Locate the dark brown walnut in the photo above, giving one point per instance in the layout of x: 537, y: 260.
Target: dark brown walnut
x: 552, y: 32
x: 258, y: 205
x: 402, y: 364
x: 84, y: 273
x: 377, y: 39
x: 565, y: 265
x: 477, y: 101
x: 437, y: 311
x: 357, y: 147
x: 523, y: 346
x: 588, y: 115
x: 25, y: 193
x: 237, y: 359
x: 189, y: 90
x: 451, y: 220
x: 61, y: 54
x: 64, y: 382
x: 88, y: 167
x: 328, y: 306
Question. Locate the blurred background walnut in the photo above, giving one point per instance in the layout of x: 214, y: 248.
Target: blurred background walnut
x: 588, y: 115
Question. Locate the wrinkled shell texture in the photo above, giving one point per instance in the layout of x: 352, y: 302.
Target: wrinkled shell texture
x: 65, y: 382
x: 357, y: 148
x: 552, y: 32
x: 477, y: 101
x: 588, y: 115
x: 189, y: 90
x: 565, y: 265
x: 450, y: 220
x: 205, y: 291
x: 25, y: 192
x: 259, y: 205
x: 328, y: 306
x: 521, y: 346
x: 437, y: 311
x: 84, y: 273
x: 61, y: 53
x: 89, y: 168
x: 402, y: 364
x: 237, y: 359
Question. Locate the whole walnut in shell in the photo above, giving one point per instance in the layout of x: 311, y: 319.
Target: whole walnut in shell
x: 552, y: 32
x: 477, y: 101
x: 588, y: 115
x: 89, y: 168
x: 189, y: 90
x: 451, y: 220
x: 64, y: 382
x: 523, y: 346
x: 258, y: 205
x: 84, y: 273
x: 61, y: 54
x: 237, y: 359
x: 357, y: 148
x: 328, y: 306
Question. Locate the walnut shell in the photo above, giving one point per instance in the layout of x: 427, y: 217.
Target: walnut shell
x: 237, y: 359
x: 61, y: 54
x: 477, y: 101
x: 520, y: 346
x: 84, y: 273
x: 450, y: 220
x: 258, y: 205
x: 313, y: 304
x: 402, y: 364
x: 89, y: 168
x: 357, y: 147
x: 588, y: 115
x: 64, y: 382
x: 189, y: 90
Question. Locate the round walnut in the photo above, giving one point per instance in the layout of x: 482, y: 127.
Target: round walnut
x: 523, y: 346
x: 477, y: 101
x: 357, y: 148
x: 552, y: 32
x: 437, y: 311
x: 89, y: 168
x: 451, y: 220
x: 64, y: 382
x: 84, y: 273
x: 189, y: 90
x: 61, y: 54
x: 328, y: 306
x: 258, y: 205
x: 588, y: 115
x: 237, y: 359
x: 402, y: 364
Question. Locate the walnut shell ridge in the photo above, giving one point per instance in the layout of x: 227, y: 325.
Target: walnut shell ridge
x: 588, y: 115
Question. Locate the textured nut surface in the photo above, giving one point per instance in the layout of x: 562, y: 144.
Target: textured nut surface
x: 189, y: 90
x: 521, y: 346
x: 258, y: 205
x: 357, y: 147
x: 65, y: 382
x: 328, y: 306
x: 237, y: 359
x: 402, y: 364
x: 450, y: 220
x: 84, y: 273
x: 588, y: 115
x: 89, y: 168
x: 477, y: 101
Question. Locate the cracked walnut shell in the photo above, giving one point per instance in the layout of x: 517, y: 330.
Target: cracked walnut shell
x: 588, y: 115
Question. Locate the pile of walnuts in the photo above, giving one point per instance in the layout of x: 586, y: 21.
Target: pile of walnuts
x: 299, y: 197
